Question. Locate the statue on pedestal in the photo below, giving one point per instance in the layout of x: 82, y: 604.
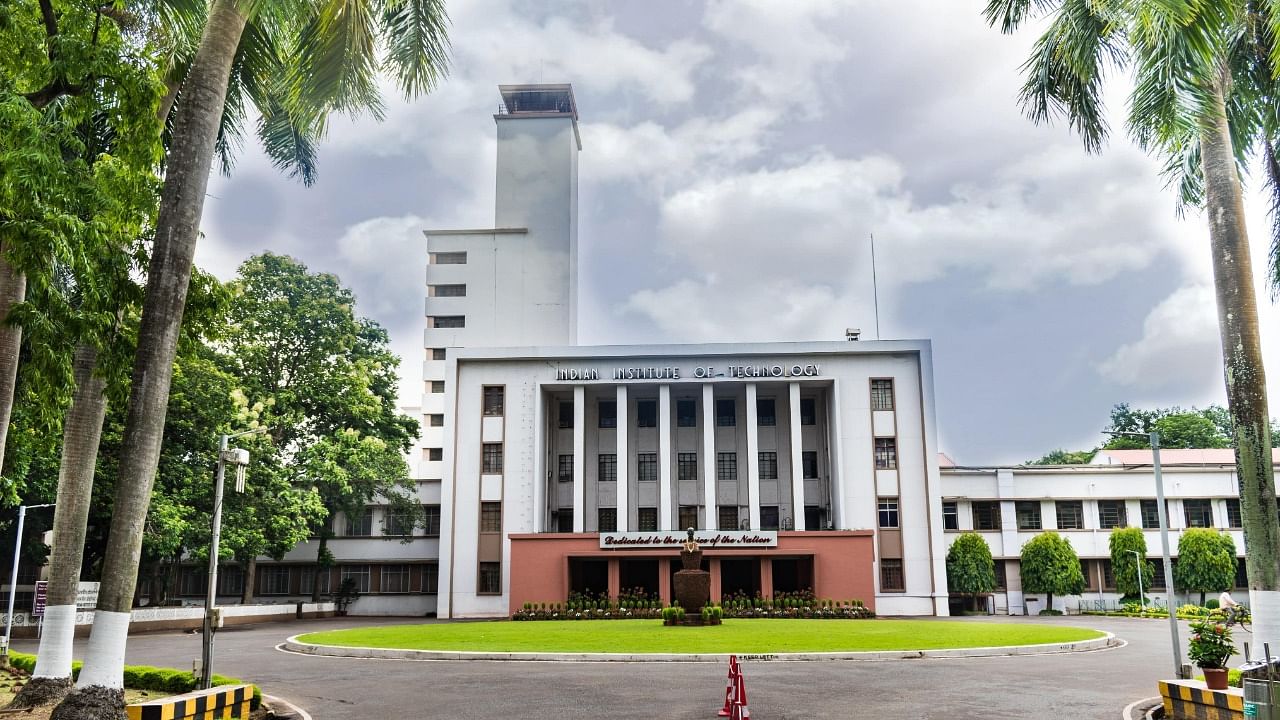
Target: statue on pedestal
x: 692, y: 583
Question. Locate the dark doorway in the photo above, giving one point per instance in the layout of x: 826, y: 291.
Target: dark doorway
x: 639, y: 575
x: 739, y: 577
x: 792, y: 574
x: 589, y: 577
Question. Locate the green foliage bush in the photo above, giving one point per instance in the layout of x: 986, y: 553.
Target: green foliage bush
x: 1206, y: 562
x: 1050, y: 565
x: 970, y: 568
x: 145, y: 677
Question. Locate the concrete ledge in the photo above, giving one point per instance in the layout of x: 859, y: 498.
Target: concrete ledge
x: 1192, y: 700
x: 294, y: 645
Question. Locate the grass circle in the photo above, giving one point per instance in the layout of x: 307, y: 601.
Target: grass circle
x: 741, y: 636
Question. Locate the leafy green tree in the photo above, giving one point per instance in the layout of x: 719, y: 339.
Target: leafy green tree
x: 1195, y: 428
x: 1064, y: 457
x: 1126, y: 567
x: 1050, y: 565
x: 970, y: 568
x: 1206, y: 561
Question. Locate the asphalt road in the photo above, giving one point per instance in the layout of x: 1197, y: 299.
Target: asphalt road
x: 1076, y: 686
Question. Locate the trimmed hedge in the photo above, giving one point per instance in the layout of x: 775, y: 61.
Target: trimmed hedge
x: 145, y: 677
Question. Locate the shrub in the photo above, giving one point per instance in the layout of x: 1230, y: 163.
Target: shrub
x: 1206, y: 562
x: 970, y: 569
x: 1050, y: 566
x: 1210, y: 645
x: 1126, y: 568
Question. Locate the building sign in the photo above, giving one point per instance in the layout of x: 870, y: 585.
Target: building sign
x: 87, y: 596
x: 700, y: 372
x: 42, y: 595
x: 707, y: 539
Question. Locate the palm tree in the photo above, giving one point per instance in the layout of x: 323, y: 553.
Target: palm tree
x: 1204, y: 100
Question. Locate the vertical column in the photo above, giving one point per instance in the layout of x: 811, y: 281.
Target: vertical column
x: 615, y: 577
x: 664, y: 579
x: 540, y: 489
x: 766, y: 576
x: 835, y: 439
x: 623, y: 464
x: 753, y: 459
x: 711, y: 517
x: 579, y: 456
x: 797, y: 456
x: 665, y: 522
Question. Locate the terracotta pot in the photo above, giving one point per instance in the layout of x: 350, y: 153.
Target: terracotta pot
x: 1215, y: 678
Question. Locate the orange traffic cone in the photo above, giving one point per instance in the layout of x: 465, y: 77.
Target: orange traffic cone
x: 740, y: 710
x: 729, y: 686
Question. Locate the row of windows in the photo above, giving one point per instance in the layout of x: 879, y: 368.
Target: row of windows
x: 446, y: 321
x: 1070, y: 514
x: 283, y: 579
x: 727, y: 516
x: 361, y: 525
x: 687, y: 413
x: 686, y: 466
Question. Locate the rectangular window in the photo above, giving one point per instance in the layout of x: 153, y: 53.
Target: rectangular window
x: 490, y: 579
x: 808, y: 411
x: 608, y: 467
x: 886, y: 453
x: 449, y: 258
x: 1002, y: 575
x: 1157, y: 578
x: 564, y: 520
x: 646, y: 413
x: 728, y: 517
x: 360, y: 524
x: 891, y: 579
x: 726, y: 412
x: 950, y: 515
x: 194, y: 581
x: 726, y: 466
x: 687, y: 413
x: 688, y: 516
x: 566, y: 415
x: 447, y: 321
x: 394, y: 523
x: 809, y: 463
x: 1028, y: 514
x: 395, y: 579
x: 766, y: 412
x: 494, y: 400
x: 430, y: 578
x: 1242, y: 573
x: 275, y: 580
x: 887, y: 509
x: 986, y: 515
x: 882, y: 394
x: 768, y: 466
x: 565, y: 468
x: 431, y: 520
x: 648, y: 519
x: 1111, y: 514
x: 1150, y: 514
x: 687, y: 468
x: 359, y: 573
x: 491, y: 458
x: 1198, y: 513
x: 490, y: 517
x: 230, y: 580
x: 607, y: 519
x: 437, y: 386
x: 437, y: 353
x: 307, y: 581
x: 454, y: 290
x: 768, y: 517
x: 1234, y: 518
x: 435, y: 454
x: 608, y: 414
x: 1070, y: 514
x: 1108, y: 575
x: 647, y: 467
x: 437, y: 419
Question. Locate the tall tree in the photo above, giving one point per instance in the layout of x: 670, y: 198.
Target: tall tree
x: 1050, y: 565
x: 1064, y: 457
x: 970, y: 569
x: 1206, y: 562
x: 1133, y: 573
x: 1205, y: 101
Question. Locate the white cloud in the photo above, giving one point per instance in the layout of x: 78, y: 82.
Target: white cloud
x: 1179, y: 349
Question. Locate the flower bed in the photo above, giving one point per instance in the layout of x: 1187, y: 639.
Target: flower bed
x: 796, y: 605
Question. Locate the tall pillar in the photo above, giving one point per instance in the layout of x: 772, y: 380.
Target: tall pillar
x: 716, y: 587
x: 579, y: 456
x: 766, y: 576
x: 797, y: 456
x: 623, y: 464
x: 664, y: 580
x: 711, y: 515
x: 753, y: 458
x: 615, y: 578
x: 540, y: 490
x: 665, y: 522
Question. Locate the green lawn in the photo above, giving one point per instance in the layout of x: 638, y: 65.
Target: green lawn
x: 734, y: 636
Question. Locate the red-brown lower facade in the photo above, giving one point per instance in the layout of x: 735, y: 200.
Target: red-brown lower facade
x: 837, y: 565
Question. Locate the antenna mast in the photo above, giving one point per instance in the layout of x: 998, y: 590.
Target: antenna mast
x: 875, y: 290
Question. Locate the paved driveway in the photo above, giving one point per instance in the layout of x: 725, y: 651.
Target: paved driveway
x: 1078, y: 686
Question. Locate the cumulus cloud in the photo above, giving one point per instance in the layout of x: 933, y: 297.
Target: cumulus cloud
x: 1179, y: 347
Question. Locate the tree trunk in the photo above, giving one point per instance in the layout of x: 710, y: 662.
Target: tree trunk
x: 1048, y: 604
x: 99, y: 691
x: 250, y: 570
x: 13, y: 289
x: 1245, y: 378
x: 321, y: 554
x: 81, y: 434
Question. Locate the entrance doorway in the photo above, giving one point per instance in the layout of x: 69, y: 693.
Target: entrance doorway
x: 589, y: 577
x: 639, y: 575
x: 739, y: 576
x: 792, y: 574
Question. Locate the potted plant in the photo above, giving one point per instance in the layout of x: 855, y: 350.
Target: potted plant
x: 1210, y: 648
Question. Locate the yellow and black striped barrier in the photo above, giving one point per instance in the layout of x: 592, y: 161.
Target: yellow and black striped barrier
x: 1191, y: 699
x: 224, y: 701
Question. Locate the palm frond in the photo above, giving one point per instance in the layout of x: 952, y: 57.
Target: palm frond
x: 1010, y: 14
x: 1271, y: 160
x: 417, y: 43
x: 289, y: 143
x: 335, y: 66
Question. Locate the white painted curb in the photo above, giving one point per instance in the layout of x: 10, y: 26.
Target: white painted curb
x: 280, y: 704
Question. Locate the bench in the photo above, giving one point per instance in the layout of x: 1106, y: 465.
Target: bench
x: 224, y: 701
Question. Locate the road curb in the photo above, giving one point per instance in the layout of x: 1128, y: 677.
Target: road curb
x: 1139, y: 709
x: 293, y: 645
x: 285, y: 710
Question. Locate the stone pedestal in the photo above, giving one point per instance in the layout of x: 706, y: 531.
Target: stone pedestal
x: 692, y: 584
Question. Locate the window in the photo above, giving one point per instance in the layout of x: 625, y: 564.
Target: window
x: 688, y: 516
x: 888, y: 511
x: 1242, y: 573
x: 360, y: 524
x: 809, y: 463
x: 447, y: 321
x: 687, y: 469
x: 726, y: 412
x: 566, y: 415
x: 1151, y: 513
x: 1108, y: 575
x: 437, y: 353
x: 1028, y: 514
x: 437, y: 419
x: 449, y: 258
x: 565, y: 468
x: 647, y: 467
x: 768, y: 517
x: 766, y: 412
x: 608, y: 468
x: 275, y: 580
x: 646, y: 413
x: 1198, y: 513
x: 494, y: 399
x: 886, y: 453
x: 986, y: 515
x: 768, y: 466
x: 394, y: 523
x: 1002, y: 575
x: 490, y: 579
x: 813, y: 517
x: 564, y: 520
x: 808, y: 411
x: 1070, y: 514
x: 881, y: 394
x: 194, y: 581
x: 457, y: 290
x: 491, y: 458
x: 435, y: 454
x: 686, y: 413
x: 726, y: 466
x: 607, y: 519
x: 230, y: 580
x: 1157, y: 578
x: 490, y: 517
x: 395, y: 579
x: 359, y: 573
x: 891, y: 579
x: 1111, y: 514
x: 648, y: 519
x: 950, y: 515
x: 437, y: 386
x: 307, y: 582
x: 1234, y: 518
x: 430, y: 578
x: 728, y: 517
x: 608, y: 414
x: 431, y: 520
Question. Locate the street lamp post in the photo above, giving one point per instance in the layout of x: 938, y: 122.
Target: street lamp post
x: 13, y: 577
x: 1137, y: 565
